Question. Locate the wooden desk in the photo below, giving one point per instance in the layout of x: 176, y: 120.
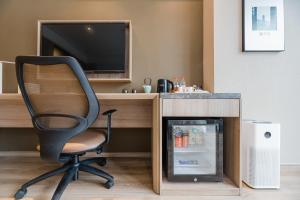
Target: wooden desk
x: 147, y: 111
x: 134, y: 111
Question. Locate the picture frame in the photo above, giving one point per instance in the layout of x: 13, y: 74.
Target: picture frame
x: 263, y: 26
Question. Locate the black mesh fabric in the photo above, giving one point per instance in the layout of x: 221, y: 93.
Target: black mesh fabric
x: 55, y: 89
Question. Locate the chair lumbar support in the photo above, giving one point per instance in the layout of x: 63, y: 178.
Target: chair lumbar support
x: 71, y: 170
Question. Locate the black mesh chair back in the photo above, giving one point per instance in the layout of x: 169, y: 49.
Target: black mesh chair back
x: 59, y: 98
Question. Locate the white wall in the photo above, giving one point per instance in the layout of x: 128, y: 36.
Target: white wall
x: 269, y: 82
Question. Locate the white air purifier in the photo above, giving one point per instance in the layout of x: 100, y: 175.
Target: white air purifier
x: 261, y: 154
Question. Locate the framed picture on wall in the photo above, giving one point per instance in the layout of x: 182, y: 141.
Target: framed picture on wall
x: 263, y: 25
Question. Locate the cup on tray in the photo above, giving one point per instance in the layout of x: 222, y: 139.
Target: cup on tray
x: 188, y: 90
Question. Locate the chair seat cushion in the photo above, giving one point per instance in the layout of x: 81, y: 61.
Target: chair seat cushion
x: 86, y: 141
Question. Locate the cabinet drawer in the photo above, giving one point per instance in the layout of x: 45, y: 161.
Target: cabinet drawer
x: 201, y: 107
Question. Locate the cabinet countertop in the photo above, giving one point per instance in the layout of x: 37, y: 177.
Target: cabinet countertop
x: 200, y: 95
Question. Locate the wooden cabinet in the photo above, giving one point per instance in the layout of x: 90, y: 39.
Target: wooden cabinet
x: 226, y: 106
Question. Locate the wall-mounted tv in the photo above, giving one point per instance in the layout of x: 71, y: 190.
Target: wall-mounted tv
x: 99, y: 46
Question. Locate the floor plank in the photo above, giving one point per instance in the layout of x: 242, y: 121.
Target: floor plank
x: 132, y: 182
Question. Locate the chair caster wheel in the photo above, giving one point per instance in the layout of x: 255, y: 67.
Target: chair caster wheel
x: 20, y: 193
x: 109, y: 184
x: 102, y: 162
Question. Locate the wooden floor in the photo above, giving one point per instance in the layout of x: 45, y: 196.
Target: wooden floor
x: 132, y: 182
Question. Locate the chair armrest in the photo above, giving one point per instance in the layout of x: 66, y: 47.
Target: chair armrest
x: 108, y: 112
x: 108, y: 127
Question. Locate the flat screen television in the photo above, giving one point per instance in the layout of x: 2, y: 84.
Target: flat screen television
x: 100, y: 47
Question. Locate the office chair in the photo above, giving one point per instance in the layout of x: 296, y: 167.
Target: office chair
x: 47, y: 84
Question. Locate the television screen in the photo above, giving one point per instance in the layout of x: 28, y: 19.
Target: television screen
x: 98, y: 46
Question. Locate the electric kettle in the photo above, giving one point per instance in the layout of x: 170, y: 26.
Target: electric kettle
x: 164, y: 86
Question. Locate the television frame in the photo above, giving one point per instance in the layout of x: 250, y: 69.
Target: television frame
x: 125, y: 76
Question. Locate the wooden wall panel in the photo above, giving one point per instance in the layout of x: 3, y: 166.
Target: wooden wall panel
x: 208, y: 46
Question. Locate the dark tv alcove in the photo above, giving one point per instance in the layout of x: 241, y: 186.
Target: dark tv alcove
x: 103, y: 48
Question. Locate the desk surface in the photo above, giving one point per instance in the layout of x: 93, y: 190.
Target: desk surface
x: 140, y: 96
x: 113, y: 96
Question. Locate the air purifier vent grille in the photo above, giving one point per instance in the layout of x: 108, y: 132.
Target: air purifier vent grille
x: 262, y: 171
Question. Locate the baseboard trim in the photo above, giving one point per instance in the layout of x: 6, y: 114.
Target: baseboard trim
x: 89, y: 154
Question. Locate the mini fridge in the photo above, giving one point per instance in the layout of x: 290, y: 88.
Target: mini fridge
x: 193, y: 149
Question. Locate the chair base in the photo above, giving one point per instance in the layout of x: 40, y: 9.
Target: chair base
x: 71, y: 173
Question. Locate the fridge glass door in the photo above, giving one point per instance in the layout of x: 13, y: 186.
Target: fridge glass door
x: 194, y: 149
